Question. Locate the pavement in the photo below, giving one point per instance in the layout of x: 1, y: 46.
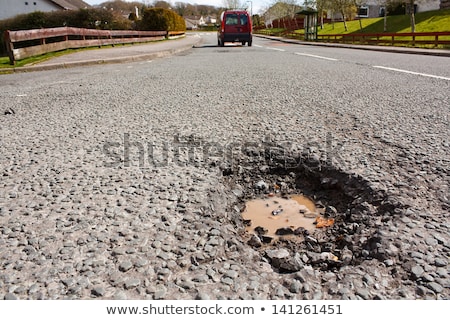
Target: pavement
x: 159, y: 49
x: 406, y: 50
x: 117, y: 54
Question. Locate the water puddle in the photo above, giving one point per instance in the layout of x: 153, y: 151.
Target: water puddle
x: 276, y: 216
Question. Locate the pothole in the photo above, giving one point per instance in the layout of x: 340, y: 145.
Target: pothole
x: 272, y: 217
x: 358, y: 212
x: 312, y: 215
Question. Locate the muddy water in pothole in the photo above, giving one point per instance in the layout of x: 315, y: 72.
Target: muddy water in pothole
x: 275, y: 213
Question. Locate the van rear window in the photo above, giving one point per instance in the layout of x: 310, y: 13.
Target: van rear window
x: 231, y: 19
x: 244, y: 19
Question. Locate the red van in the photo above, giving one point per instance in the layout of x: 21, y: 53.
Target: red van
x: 235, y: 26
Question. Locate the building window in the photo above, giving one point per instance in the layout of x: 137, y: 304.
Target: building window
x: 26, y: 3
x: 363, y: 12
x: 34, y: 3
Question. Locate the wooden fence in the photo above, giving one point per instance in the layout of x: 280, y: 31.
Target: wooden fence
x: 412, y: 39
x: 405, y: 39
x: 27, y: 43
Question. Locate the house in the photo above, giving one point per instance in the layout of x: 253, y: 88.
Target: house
x: 11, y: 8
x: 210, y: 20
x: 375, y: 8
x: 191, y: 23
x: 278, y: 11
x: 445, y: 4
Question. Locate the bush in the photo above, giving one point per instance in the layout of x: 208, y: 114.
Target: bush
x: 159, y: 19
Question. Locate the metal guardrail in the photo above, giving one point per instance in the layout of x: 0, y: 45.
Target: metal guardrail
x: 407, y: 38
x: 27, y: 43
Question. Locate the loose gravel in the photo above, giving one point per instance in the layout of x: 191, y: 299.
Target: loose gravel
x: 128, y: 181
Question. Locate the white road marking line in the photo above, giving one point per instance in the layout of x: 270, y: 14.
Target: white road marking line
x: 315, y: 56
x: 277, y: 49
x: 413, y: 72
x: 255, y: 45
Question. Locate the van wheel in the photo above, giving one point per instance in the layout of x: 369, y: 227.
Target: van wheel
x: 249, y: 43
x: 243, y: 43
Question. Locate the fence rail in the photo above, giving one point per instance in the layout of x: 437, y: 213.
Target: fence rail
x: 413, y: 39
x: 27, y: 43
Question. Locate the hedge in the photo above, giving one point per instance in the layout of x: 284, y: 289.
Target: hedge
x: 83, y: 18
x: 159, y: 19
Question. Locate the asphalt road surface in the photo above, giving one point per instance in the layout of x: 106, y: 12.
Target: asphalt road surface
x: 104, y: 193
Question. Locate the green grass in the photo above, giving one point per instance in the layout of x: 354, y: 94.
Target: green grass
x: 431, y: 21
x: 5, y: 64
x: 4, y: 61
x: 370, y: 25
x: 272, y: 31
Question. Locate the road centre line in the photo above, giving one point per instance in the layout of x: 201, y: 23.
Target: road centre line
x: 315, y: 56
x: 413, y: 72
x: 277, y: 49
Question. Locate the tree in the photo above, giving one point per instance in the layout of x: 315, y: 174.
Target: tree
x: 162, y: 4
x: 156, y: 19
x: 322, y: 6
x: 357, y: 4
x: 119, y: 5
x: 257, y: 21
x: 293, y: 7
x: 203, y: 9
x: 233, y: 4
x: 280, y: 10
x: 391, y: 6
x: 411, y: 16
x: 346, y: 8
x: 181, y: 8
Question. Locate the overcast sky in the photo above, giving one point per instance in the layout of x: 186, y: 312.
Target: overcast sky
x: 257, y: 4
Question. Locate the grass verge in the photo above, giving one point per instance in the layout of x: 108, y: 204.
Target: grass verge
x: 431, y: 21
x: 5, y: 64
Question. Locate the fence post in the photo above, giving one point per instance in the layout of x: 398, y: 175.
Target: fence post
x: 9, y: 48
x: 436, y: 40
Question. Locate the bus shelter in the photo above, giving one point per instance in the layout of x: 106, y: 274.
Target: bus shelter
x: 310, y: 23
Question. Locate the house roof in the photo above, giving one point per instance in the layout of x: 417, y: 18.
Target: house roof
x: 71, y: 4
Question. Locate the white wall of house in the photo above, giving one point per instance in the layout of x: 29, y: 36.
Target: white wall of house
x: 373, y: 8
x: 11, y: 8
x: 427, y: 5
x: 422, y: 5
